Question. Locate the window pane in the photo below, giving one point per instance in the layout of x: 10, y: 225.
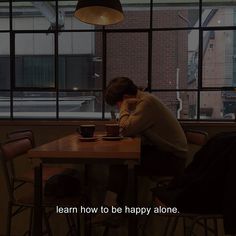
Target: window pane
x: 34, y: 105
x: 4, y: 104
x: 218, y: 105
x: 136, y: 15
x: 175, y: 59
x: 4, y: 61
x: 84, y: 105
x: 34, y: 15
x: 80, y: 66
x: 109, y: 110
x: 127, y: 55
x: 167, y: 15
x: 216, y: 14
x: 34, y: 62
x: 4, y: 15
x: 182, y: 104
x: 219, y: 58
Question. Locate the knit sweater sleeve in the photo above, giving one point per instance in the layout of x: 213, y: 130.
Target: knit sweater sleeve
x: 135, y: 122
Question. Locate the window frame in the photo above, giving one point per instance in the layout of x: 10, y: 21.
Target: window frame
x: 105, y: 31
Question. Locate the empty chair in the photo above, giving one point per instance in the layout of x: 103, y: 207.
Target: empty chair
x: 28, y: 176
x: 21, y: 133
x: 10, y: 150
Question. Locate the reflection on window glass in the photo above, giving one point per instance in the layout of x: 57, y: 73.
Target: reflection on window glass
x: 34, y: 15
x: 182, y: 104
x: 4, y: 105
x: 127, y: 56
x: 80, y: 60
x: 175, y: 61
x: 34, y: 61
x: 90, y: 56
x: 214, y: 14
x: 167, y: 15
x: 219, y: 50
x: 83, y: 105
x: 34, y: 105
x: 218, y: 105
x: 5, y: 61
x: 4, y: 15
x: 111, y: 112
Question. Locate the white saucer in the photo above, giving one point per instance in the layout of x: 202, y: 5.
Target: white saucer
x: 112, y: 138
x: 90, y: 139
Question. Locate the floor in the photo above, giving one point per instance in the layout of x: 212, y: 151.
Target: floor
x: 155, y: 224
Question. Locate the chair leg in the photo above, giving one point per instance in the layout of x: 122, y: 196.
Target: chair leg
x: 78, y: 225
x: 215, y: 226
x: 47, y: 224
x: 176, y: 219
x: 88, y: 225
x: 73, y: 225
x: 31, y: 221
x: 168, y: 225
x: 185, y: 226
x: 106, y: 231
x: 205, y: 227
x: 192, y: 226
x: 9, y: 217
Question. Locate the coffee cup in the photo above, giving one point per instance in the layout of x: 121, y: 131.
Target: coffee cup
x: 86, y: 131
x: 112, y: 130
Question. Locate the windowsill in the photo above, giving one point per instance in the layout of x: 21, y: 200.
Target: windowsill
x: 102, y: 122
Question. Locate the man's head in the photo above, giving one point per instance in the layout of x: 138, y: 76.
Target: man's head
x: 118, y: 89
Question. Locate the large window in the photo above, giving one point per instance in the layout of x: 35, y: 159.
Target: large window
x: 184, y: 52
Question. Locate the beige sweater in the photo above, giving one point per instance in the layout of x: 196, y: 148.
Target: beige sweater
x: 154, y: 122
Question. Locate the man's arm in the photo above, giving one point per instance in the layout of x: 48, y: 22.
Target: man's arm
x: 135, y: 122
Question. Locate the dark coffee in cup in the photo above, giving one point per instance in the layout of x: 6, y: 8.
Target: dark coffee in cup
x: 86, y: 131
x: 113, y: 130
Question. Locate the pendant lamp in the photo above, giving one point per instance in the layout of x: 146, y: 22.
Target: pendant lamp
x: 99, y: 12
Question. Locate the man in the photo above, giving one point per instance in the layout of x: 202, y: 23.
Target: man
x: 164, y: 145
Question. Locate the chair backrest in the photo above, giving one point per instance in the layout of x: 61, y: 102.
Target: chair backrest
x: 22, y: 133
x: 10, y: 150
x: 197, y: 137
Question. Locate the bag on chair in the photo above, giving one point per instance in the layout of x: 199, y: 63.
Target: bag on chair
x: 65, y: 184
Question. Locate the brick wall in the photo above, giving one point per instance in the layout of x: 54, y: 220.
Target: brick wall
x: 127, y: 53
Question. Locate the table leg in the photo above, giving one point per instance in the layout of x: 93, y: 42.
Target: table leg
x: 38, y: 210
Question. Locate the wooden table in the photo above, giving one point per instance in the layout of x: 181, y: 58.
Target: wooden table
x: 70, y: 149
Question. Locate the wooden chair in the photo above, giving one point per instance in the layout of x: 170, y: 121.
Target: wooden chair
x: 194, y: 137
x: 28, y: 176
x: 10, y: 150
x: 199, y: 138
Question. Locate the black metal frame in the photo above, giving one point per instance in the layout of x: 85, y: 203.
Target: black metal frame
x: 105, y: 31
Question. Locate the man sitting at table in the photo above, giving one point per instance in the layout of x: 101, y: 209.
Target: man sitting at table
x: 164, y: 145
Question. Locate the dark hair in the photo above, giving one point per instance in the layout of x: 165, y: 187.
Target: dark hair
x: 117, y: 88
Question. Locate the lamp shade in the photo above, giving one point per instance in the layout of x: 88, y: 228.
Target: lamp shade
x: 99, y: 12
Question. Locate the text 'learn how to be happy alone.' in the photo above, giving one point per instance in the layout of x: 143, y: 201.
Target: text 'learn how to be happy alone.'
x: 117, y: 210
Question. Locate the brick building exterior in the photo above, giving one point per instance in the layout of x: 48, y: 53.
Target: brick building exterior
x: 127, y: 55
